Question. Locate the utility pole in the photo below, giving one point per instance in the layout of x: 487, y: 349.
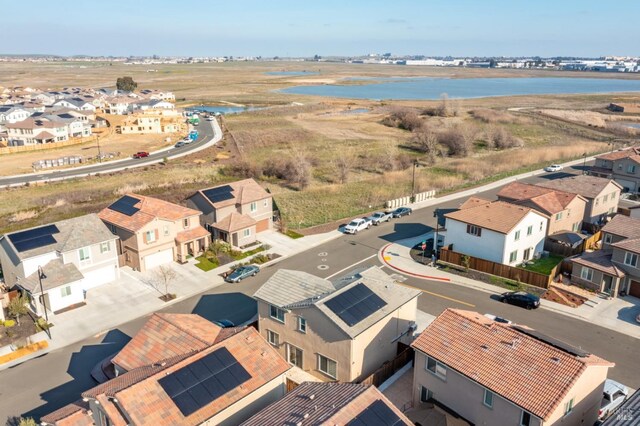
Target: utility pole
x: 413, y: 179
x: 99, y: 153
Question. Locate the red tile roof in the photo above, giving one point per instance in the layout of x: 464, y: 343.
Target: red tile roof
x: 498, y: 216
x: 473, y: 202
x: 74, y: 414
x: 549, y: 201
x: 527, y: 371
x: 192, y: 234
x: 621, y: 153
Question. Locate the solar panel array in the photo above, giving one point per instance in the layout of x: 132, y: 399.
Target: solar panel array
x: 379, y: 414
x: 221, y: 193
x: 355, y: 304
x: 34, y: 238
x: 203, y: 381
x: 125, y: 205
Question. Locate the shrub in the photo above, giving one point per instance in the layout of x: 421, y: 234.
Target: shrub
x: 9, y: 323
x: 403, y: 118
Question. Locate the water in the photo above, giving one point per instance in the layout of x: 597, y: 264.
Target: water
x: 224, y: 109
x: 291, y: 73
x: 433, y: 88
x: 632, y: 125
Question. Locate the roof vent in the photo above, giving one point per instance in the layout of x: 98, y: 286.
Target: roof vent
x: 484, y: 347
x: 555, y: 360
x: 306, y: 415
x: 312, y: 396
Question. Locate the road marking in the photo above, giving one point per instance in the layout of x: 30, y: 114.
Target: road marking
x: 351, y: 266
x: 439, y: 295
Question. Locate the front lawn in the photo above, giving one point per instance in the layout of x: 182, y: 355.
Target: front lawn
x: 206, y: 264
x: 544, y: 265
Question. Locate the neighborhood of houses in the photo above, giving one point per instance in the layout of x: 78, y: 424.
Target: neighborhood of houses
x: 321, y: 350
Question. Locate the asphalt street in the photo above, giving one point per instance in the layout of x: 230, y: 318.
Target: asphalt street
x: 44, y: 384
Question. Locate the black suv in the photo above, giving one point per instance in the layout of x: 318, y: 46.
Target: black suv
x: 521, y: 298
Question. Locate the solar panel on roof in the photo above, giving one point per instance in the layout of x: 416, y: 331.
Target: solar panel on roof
x: 34, y: 243
x: 34, y: 238
x: 125, y: 205
x: 218, y: 194
x: 203, y: 381
x: 379, y: 414
x: 558, y: 344
x: 355, y: 304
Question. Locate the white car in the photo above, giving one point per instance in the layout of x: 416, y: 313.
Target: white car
x: 613, y: 395
x: 357, y: 225
x: 553, y: 168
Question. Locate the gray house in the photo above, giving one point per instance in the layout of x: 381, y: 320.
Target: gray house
x: 623, y: 166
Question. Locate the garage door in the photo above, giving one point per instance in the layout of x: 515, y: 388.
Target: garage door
x: 98, y: 277
x: 262, y: 225
x: 159, y: 258
x: 634, y: 288
x: 627, y: 184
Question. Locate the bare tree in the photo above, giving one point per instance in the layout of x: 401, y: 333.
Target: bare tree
x: 343, y: 166
x: 426, y: 141
x: 442, y: 110
x: 161, y: 280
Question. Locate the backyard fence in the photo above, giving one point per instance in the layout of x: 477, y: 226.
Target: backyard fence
x: 566, y: 251
x: 388, y: 369
x: 45, y: 146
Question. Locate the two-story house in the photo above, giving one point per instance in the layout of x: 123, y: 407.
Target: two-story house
x: 230, y: 375
x: 57, y: 264
x: 623, y: 166
x: 602, y: 194
x: 148, y: 123
x: 153, y: 232
x: 491, y: 373
x: 235, y: 212
x: 497, y: 231
x: 615, y: 268
x: 341, y: 330
x: 36, y: 131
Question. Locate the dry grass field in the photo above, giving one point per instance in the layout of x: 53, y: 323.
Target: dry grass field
x: 353, y: 162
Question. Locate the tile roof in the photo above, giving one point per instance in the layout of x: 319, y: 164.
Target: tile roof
x: 322, y: 404
x: 234, y: 222
x: 473, y: 202
x: 599, y: 260
x: 149, y: 209
x: 549, y: 201
x: 497, y: 216
x: 623, y: 226
x: 630, y: 407
x: 632, y: 244
x: 243, y: 192
x: 34, y: 123
x: 527, y: 371
x: 165, y: 336
x: 57, y: 274
x: 192, y: 234
x: 74, y: 414
x: 621, y: 153
x: 585, y: 185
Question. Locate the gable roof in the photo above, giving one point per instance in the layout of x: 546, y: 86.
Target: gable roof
x: 585, y: 185
x: 599, y: 260
x: 497, y: 216
x: 473, y: 202
x: 549, y: 201
x: 239, y: 192
x: 530, y: 372
x: 623, y: 226
x: 322, y: 404
x: 148, y: 209
x: 234, y: 222
x: 632, y: 244
x: 74, y: 414
x: 287, y: 288
x: 621, y: 153
x: 56, y: 273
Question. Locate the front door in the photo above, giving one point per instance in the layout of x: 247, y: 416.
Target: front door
x: 607, y: 284
x: 295, y: 356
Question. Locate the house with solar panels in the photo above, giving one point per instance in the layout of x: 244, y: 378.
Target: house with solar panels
x: 73, y: 255
x: 336, y: 330
x: 235, y: 212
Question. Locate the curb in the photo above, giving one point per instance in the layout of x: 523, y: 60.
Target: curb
x: 424, y: 277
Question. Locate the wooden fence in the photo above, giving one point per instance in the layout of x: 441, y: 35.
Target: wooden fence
x: 388, y: 369
x: 45, y: 146
x: 566, y: 251
x: 515, y: 274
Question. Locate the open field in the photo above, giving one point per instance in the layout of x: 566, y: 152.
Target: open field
x: 352, y: 161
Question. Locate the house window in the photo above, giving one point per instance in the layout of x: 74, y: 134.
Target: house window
x: 185, y: 223
x: 112, y: 228
x: 607, y: 238
x: 273, y: 338
x: 631, y: 259
x: 605, y: 198
x: 597, y: 201
x: 474, y: 230
x: 541, y: 223
x: 276, y: 313
x: 327, y: 366
x: 425, y: 394
x: 295, y: 356
x: 165, y: 230
x: 568, y: 407
x: 151, y: 236
x: 105, y: 247
x: 613, y: 196
x: 302, y: 325
x: 631, y: 168
x: 85, y: 254
x: 266, y: 203
x: 517, y: 236
x: 525, y: 419
x: 65, y: 291
x: 530, y: 230
x: 558, y: 216
x: 246, y: 233
x: 586, y: 274
x: 253, y: 207
x: 488, y: 398
x: 513, y: 256
x: 440, y: 370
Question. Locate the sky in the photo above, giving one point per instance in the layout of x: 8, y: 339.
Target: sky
x: 326, y: 27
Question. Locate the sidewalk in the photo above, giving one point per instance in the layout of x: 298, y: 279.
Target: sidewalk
x: 616, y: 314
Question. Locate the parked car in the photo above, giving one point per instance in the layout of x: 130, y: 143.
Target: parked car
x: 613, y: 395
x: 521, y: 298
x: 210, y: 118
x: 498, y: 319
x: 378, y: 217
x: 180, y: 144
x: 357, y: 225
x: 141, y: 154
x: 241, y: 273
x: 401, y: 211
x: 224, y: 323
x: 553, y: 168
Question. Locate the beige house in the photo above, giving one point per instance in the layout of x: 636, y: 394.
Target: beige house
x: 151, y: 121
x: 154, y: 232
x: 492, y: 373
x: 342, y: 330
x: 235, y: 212
x: 36, y: 131
x: 623, y: 166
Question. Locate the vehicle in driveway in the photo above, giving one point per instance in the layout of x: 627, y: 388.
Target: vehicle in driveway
x: 378, y: 217
x: 553, y: 168
x: 521, y: 298
x: 401, y: 211
x: 241, y: 273
x: 613, y: 395
x: 357, y: 225
x: 224, y: 323
x: 141, y: 154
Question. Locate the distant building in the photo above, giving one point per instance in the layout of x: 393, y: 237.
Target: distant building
x: 623, y: 166
x: 36, y: 131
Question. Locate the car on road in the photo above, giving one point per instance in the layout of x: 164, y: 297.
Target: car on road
x: 498, y: 319
x: 210, y: 118
x: 180, y: 144
x: 241, y: 273
x: 378, y: 217
x: 141, y: 154
x: 613, y: 395
x: 357, y: 225
x: 521, y: 298
x: 553, y: 168
x: 224, y: 323
x: 401, y: 211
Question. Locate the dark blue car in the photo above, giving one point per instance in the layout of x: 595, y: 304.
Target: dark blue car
x: 241, y: 273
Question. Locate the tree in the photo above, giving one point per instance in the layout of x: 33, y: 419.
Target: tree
x: 343, y: 165
x: 163, y: 277
x: 18, y: 307
x: 426, y: 141
x: 126, y: 84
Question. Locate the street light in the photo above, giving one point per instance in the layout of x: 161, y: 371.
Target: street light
x: 413, y: 179
x: 99, y: 154
x: 42, y: 276
x: 584, y: 163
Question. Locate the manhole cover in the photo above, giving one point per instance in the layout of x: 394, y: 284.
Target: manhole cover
x: 323, y: 267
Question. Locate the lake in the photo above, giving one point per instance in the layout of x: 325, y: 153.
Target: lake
x: 433, y: 88
x: 291, y: 73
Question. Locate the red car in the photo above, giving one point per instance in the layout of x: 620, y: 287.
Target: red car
x: 141, y: 154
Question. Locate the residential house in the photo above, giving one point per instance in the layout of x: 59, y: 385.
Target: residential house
x: 158, y: 94
x: 342, y: 404
x: 223, y: 379
x: 342, y: 330
x: 12, y: 114
x: 615, y: 268
x: 153, y: 232
x: 627, y: 413
x: 497, y: 231
x: 119, y: 105
x: 623, y: 166
x: 36, y: 131
x: 45, y: 98
x: 491, y: 373
x: 148, y: 122
x: 564, y: 209
x: 235, y: 212
x: 75, y: 103
x: 74, y: 256
x: 155, y: 104
x: 602, y: 194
